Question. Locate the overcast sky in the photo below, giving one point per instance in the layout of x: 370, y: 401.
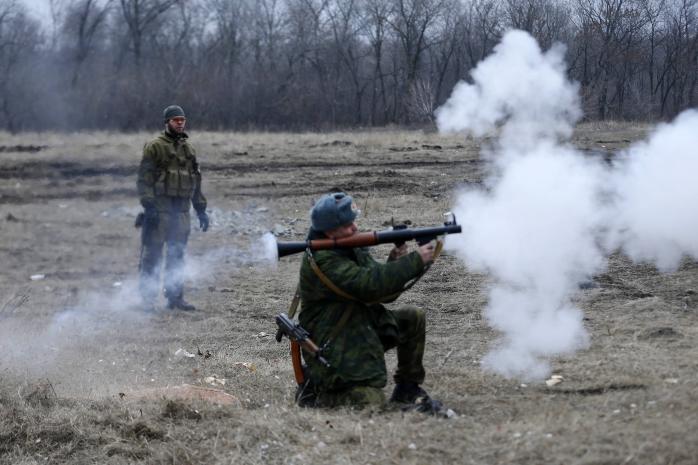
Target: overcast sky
x: 38, y: 8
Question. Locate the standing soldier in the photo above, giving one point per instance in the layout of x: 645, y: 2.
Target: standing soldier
x: 169, y: 180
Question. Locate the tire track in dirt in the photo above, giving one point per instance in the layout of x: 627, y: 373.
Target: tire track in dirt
x: 71, y: 170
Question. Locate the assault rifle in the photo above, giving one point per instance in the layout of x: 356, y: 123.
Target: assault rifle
x: 296, y: 333
x: 396, y: 235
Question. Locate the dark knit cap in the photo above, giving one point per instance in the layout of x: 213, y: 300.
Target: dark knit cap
x: 173, y: 111
x: 331, y: 211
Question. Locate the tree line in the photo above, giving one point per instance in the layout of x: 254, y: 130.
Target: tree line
x: 319, y: 64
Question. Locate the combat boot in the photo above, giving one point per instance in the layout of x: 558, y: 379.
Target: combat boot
x: 178, y: 303
x: 407, y: 393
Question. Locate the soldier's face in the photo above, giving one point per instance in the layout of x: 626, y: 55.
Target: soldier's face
x: 342, y: 231
x: 177, y: 124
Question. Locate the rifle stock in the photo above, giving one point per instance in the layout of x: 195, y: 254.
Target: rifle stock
x: 369, y: 238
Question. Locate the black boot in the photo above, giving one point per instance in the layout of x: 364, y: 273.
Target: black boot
x: 178, y: 303
x: 407, y: 393
x: 414, y: 398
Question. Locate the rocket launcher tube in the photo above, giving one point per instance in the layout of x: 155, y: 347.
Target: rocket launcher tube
x: 369, y: 238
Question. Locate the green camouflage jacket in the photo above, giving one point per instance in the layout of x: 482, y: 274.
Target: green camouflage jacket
x: 169, y: 170
x: 356, y: 355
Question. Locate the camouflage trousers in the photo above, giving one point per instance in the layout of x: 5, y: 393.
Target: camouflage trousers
x: 410, y: 352
x: 171, y: 233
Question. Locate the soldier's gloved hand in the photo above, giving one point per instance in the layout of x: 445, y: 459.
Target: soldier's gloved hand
x: 150, y: 216
x: 203, y: 220
x: 397, y: 252
x: 426, y: 252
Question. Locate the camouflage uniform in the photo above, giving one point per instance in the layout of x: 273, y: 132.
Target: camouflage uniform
x: 356, y: 355
x: 169, y: 180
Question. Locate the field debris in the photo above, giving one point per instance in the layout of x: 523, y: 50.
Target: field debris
x: 262, y: 334
x: 250, y: 366
x: 37, y: 277
x: 554, y: 380
x: 279, y: 230
x: 220, y: 289
x: 215, y: 381
x: 183, y: 353
x: 205, y: 355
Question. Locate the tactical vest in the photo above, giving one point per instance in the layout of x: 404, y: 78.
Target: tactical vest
x: 177, y: 172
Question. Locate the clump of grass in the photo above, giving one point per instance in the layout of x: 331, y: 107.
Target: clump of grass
x: 177, y: 410
x: 39, y: 394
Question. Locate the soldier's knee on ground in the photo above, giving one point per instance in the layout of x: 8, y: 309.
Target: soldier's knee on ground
x: 358, y: 397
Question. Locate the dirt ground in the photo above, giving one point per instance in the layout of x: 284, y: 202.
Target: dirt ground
x: 85, y: 377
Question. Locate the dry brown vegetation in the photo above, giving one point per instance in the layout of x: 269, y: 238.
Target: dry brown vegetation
x: 84, y: 376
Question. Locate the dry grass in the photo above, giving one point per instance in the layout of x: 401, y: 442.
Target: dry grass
x: 629, y: 398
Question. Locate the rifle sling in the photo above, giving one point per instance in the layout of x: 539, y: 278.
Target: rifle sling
x: 294, y: 303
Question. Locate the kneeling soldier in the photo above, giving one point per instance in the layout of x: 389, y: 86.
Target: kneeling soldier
x: 342, y: 291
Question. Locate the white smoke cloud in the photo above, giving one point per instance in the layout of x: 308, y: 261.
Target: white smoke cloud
x: 517, y: 85
x: 549, y: 216
x: 657, y: 191
x: 535, y: 229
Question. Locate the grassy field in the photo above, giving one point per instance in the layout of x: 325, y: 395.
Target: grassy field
x: 86, y: 377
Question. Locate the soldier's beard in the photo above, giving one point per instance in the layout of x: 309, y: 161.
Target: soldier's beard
x: 174, y: 131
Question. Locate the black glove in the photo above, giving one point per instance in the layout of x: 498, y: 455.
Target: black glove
x: 150, y: 216
x: 203, y: 220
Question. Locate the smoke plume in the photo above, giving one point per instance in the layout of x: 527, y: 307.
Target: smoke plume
x: 548, y: 215
x: 517, y: 85
x: 656, y: 193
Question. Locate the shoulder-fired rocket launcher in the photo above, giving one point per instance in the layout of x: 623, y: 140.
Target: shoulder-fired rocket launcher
x: 397, y: 235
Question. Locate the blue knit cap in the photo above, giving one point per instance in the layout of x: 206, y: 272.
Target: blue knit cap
x: 332, y: 211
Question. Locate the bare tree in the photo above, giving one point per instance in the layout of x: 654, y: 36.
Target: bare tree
x: 139, y: 15
x: 483, y: 27
x: 346, y: 25
x: 546, y: 20
x: 612, y: 37
x: 19, y: 37
x: 376, y: 14
x: 326, y: 63
x: 412, y: 21
x: 677, y: 81
x: 84, y: 21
